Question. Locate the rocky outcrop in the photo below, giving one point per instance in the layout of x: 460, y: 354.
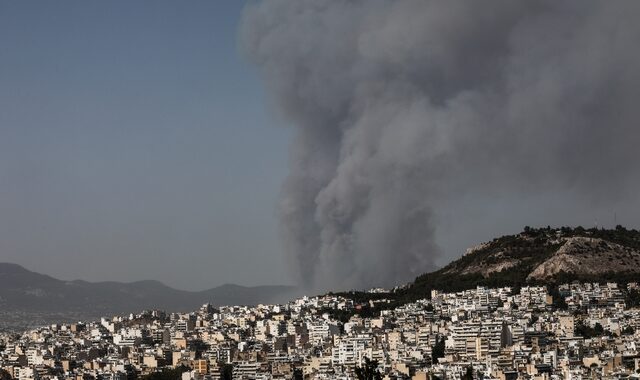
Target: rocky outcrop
x: 545, y: 255
x: 588, y: 256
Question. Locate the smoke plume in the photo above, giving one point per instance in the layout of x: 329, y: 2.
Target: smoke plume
x: 399, y: 105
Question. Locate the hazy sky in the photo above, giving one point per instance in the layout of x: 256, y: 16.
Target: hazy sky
x: 138, y: 142
x: 423, y: 126
x: 135, y: 143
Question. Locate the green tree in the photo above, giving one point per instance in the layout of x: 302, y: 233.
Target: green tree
x: 438, y: 351
x: 226, y: 372
x: 559, y: 301
x: 633, y: 298
x: 468, y: 374
x: 167, y: 374
x: 589, y: 332
x: 599, y: 330
x: 369, y: 371
x: 628, y: 331
x: 297, y: 374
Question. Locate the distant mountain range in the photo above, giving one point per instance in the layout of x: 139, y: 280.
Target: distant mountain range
x: 546, y: 256
x: 36, y: 296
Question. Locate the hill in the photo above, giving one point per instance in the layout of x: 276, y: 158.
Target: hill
x: 541, y: 256
x: 28, y: 298
x: 536, y: 256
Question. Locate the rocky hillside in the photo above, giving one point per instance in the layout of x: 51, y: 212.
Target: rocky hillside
x: 588, y: 256
x: 541, y: 256
x: 536, y: 256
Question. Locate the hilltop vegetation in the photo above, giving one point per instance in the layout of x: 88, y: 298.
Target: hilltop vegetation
x: 536, y: 256
x: 510, y: 260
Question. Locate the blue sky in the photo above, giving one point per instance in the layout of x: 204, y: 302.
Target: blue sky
x: 135, y: 143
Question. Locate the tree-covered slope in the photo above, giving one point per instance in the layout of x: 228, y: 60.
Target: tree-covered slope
x: 539, y: 256
x: 536, y: 256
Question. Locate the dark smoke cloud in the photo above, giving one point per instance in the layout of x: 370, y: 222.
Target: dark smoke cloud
x: 400, y: 106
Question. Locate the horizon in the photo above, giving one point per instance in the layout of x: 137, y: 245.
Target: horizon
x: 21, y: 267
x: 293, y: 286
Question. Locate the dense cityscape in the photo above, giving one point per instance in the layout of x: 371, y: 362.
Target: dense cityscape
x: 501, y: 333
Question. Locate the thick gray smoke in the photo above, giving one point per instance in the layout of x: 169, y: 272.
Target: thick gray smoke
x: 401, y: 105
